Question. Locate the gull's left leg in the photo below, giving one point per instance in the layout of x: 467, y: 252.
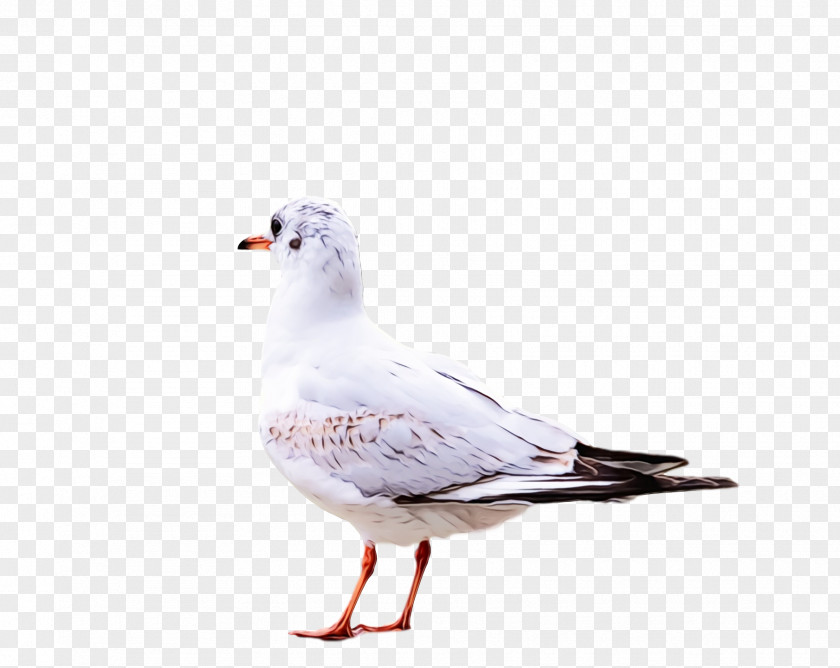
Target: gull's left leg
x: 421, y: 558
x: 341, y: 629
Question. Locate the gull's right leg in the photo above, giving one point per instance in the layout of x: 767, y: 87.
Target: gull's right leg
x: 342, y: 629
x: 421, y: 558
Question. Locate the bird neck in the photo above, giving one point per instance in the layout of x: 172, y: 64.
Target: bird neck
x: 302, y: 307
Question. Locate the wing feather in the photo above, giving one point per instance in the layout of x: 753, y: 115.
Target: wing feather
x: 398, y: 423
x: 404, y: 455
x: 423, y: 429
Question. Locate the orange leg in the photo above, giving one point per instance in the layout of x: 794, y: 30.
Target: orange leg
x: 341, y: 629
x: 421, y: 557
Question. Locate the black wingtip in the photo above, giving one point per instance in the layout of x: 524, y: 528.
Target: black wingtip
x: 608, y: 483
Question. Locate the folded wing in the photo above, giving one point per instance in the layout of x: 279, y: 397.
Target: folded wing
x: 423, y: 429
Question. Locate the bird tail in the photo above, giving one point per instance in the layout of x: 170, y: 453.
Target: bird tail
x: 600, y: 474
x: 597, y: 474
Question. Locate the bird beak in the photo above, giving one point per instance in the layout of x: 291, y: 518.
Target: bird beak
x: 257, y: 242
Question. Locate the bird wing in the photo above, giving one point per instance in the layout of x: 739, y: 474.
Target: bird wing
x: 385, y: 420
x: 414, y: 430
x: 399, y: 454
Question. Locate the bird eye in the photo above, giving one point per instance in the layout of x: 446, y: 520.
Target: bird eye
x: 295, y: 243
x: 276, y: 226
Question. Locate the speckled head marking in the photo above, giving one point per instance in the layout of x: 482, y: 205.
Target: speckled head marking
x: 316, y: 247
x: 308, y: 221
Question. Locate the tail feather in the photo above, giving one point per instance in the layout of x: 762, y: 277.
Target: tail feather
x: 643, y: 462
x: 625, y: 490
x: 616, y: 475
x: 597, y: 474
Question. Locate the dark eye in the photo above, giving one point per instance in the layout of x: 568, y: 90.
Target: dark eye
x: 294, y: 243
x: 276, y: 226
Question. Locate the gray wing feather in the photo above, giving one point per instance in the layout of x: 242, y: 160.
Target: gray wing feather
x: 402, y: 455
x: 419, y: 424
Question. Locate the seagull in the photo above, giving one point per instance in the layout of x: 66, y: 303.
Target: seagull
x: 405, y: 445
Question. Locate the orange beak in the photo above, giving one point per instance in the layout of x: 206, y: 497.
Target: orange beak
x: 258, y: 242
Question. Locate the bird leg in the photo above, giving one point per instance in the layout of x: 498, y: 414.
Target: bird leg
x: 341, y: 629
x: 421, y: 558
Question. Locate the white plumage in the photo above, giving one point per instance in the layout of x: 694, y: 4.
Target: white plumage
x: 404, y: 445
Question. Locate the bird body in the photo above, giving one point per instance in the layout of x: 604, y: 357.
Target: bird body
x: 356, y: 451
x: 404, y: 445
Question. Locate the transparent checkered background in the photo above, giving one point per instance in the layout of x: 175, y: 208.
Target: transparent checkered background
x: 623, y: 215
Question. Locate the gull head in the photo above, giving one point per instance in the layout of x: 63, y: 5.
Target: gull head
x: 316, y: 247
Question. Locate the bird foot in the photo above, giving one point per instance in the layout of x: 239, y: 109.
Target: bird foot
x: 338, y: 631
x: 399, y: 625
